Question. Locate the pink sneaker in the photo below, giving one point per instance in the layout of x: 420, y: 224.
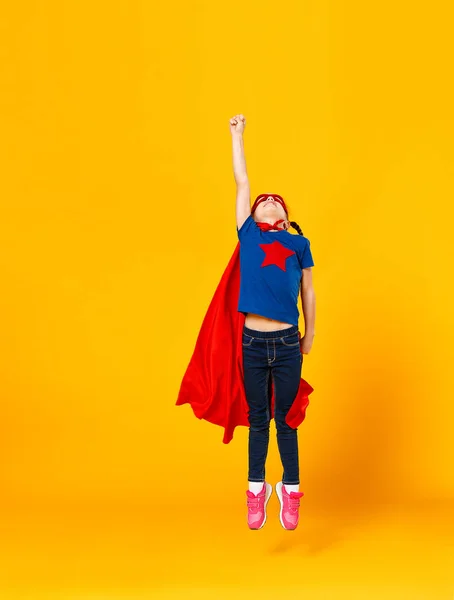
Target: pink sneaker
x: 290, y: 503
x: 256, y: 506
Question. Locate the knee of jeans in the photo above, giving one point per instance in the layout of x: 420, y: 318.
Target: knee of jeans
x: 282, y: 427
x: 261, y: 425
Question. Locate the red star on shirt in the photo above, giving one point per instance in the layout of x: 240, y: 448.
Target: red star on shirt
x: 275, y: 254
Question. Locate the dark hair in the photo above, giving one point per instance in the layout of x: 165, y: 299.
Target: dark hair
x: 295, y: 225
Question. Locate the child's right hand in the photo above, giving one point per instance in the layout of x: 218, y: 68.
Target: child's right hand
x: 237, y: 124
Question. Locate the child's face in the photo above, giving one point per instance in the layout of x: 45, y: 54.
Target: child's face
x: 269, y: 208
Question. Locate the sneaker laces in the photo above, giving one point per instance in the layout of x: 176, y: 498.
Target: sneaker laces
x: 253, y: 504
x: 293, y: 503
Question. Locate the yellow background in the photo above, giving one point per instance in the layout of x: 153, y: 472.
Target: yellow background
x: 117, y: 221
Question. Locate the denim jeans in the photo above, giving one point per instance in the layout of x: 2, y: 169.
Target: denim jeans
x: 271, y: 357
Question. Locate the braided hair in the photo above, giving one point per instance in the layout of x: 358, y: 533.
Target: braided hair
x: 295, y: 225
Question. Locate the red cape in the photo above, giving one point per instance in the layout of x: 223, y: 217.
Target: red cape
x: 213, y: 381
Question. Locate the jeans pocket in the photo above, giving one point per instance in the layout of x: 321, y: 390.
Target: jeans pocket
x: 247, y: 340
x: 290, y: 340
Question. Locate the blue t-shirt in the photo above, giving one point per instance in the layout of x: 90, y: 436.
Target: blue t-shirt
x: 271, y: 264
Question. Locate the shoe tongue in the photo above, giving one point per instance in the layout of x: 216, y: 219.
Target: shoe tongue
x: 296, y: 494
x: 250, y: 494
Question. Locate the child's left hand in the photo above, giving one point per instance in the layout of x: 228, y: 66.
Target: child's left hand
x: 306, y: 343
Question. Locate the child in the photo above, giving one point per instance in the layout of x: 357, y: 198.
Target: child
x: 246, y: 365
x: 273, y: 264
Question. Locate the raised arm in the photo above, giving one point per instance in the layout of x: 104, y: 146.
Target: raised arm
x: 243, y: 194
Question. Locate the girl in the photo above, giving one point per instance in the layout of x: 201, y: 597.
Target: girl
x: 273, y: 264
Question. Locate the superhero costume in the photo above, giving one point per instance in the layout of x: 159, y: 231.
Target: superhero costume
x: 213, y: 381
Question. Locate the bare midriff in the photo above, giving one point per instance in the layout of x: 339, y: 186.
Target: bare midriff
x: 260, y: 323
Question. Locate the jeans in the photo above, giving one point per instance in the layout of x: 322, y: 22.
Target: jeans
x: 271, y: 357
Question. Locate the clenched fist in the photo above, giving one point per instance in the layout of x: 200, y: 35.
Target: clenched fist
x: 237, y: 124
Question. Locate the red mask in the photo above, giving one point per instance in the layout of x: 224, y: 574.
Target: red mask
x: 263, y: 197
